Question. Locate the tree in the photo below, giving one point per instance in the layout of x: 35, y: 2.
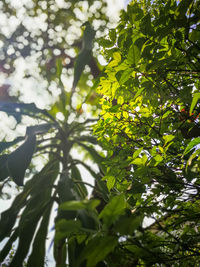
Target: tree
x: 150, y: 108
x: 149, y: 129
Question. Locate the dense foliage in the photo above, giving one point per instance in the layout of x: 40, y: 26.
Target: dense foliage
x: 149, y: 116
x: 148, y: 131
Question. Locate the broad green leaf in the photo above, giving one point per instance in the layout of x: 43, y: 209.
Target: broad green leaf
x: 139, y: 92
x: 137, y: 153
x: 127, y: 225
x: 76, y: 205
x: 145, y: 26
x: 195, y: 99
x: 191, y: 145
x: 66, y: 228
x: 192, y: 157
x: 168, y: 138
x: 88, y: 36
x: 117, y: 56
x: 89, y: 220
x: 137, y: 187
x: 133, y: 55
x: 110, y: 181
x: 97, y: 249
x: 158, y: 158
x: 113, y: 209
x: 137, y: 161
x: 114, y: 108
x: 125, y: 76
x: 25, y: 237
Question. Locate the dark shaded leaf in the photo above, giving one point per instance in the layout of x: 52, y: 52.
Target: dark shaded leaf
x: 79, y: 187
x: 97, y: 249
x: 4, y: 173
x: 8, y: 246
x: 95, y: 155
x: 85, y: 55
x: 5, y: 145
x: 37, y: 205
x: 19, y: 160
x: 37, y: 257
x: 113, y: 209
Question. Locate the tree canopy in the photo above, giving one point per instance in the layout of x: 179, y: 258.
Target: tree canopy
x: 144, y: 209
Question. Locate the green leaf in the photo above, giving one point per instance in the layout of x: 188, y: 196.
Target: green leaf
x: 81, y: 61
x: 193, y: 156
x: 79, y: 187
x: 133, y: 55
x: 8, y: 246
x: 4, y: 173
x: 168, y: 138
x: 39, y: 129
x: 5, y: 145
x: 19, y: 160
x: 145, y: 26
x: 37, y: 257
x: 192, y: 144
x: 89, y: 139
x: 125, y: 76
x: 114, y: 108
x: 137, y: 187
x: 195, y: 99
x: 59, y: 67
x: 17, y: 108
x: 9, y: 216
x: 110, y: 181
x: 85, y: 55
x: 102, y: 188
x: 97, y: 249
x: 66, y: 228
x: 25, y: 237
x: 95, y: 155
x: 36, y: 207
x: 112, y: 35
x: 76, y: 205
x: 89, y: 220
x: 127, y: 225
x: 113, y: 209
